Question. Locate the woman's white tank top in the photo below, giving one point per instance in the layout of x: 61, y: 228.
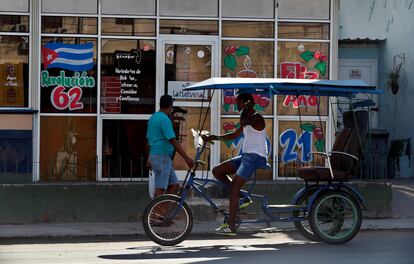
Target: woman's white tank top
x: 254, y: 141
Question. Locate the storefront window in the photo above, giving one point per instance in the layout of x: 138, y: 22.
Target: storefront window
x: 67, y: 148
x: 123, y: 149
x: 68, y: 77
x: 128, y: 26
x: 189, y: 27
x: 296, y: 141
x: 303, y: 60
x: 247, y: 59
x: 128, y: 76
x: 14, y: 23
x: 250, y: 29
x: 69, y: 25
x: 232, y: 148
x: 303, y: 30
x: 184, y: 124
x: 186, y: 65
x: 14, y: 71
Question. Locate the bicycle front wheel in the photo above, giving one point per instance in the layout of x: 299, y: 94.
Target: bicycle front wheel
x: 335, y: 217
x: 167, y: 221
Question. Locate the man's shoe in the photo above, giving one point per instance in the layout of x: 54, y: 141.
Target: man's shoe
x: 224, y: 229
x: 246, y: 202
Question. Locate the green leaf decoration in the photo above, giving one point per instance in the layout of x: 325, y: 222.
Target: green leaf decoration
x: 307, y: 127
x: 307, y: 55
x: 226, y: 107
x: 228, y: 142
x: 237, y: 126
x: 321, y: 67
x: 320, y: 145
x: 258, y: 108
x: 242, y: 50
x: 236, y: 109
x: 230, y: 62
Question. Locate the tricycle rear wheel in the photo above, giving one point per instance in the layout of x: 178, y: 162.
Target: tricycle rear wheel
x: 335, y: 217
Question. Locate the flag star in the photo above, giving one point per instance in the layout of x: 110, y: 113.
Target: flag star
x: 49, y: 57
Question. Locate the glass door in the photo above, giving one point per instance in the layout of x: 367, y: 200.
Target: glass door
x: 185, y: 62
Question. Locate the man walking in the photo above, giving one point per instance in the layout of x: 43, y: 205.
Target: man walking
x: 161, y: 141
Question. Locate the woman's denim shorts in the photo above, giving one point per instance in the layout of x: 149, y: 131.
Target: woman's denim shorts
x: 247, y: 163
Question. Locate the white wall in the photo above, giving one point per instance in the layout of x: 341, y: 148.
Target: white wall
x: 394, y: 21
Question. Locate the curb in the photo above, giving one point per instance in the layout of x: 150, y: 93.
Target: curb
x: 199, y: 228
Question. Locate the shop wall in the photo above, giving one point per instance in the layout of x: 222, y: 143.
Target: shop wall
x: 125, y: 202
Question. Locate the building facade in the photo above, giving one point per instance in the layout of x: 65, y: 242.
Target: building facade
x: 80, y: 79
x: 374, y: 41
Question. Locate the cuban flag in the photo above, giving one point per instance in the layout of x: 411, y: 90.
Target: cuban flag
x: 74, y: 57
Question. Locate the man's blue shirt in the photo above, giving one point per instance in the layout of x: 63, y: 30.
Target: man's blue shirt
x: 159, y: 132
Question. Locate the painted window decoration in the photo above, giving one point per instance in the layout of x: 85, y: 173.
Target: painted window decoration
x: 68, y: 76
x: 303, y: 61
x: 296, y: 141
x: 128, y: 77
x: 232, y: 148
x: 247, y: 59
x: 229, y: 103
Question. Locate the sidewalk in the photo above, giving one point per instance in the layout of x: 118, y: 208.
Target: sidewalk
x: 402, y: 213
x: 136, y: 229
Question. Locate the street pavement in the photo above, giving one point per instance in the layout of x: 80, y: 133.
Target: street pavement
x: 368, y: 247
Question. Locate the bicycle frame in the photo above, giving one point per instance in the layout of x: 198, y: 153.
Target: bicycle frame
x: 198, y: 185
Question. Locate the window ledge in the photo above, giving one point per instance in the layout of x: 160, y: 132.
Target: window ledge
x: 19, y: 111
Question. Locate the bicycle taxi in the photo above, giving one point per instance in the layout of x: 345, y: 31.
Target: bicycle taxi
x: 326, y: 209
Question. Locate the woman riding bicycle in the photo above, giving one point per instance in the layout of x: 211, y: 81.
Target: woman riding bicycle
x: 253, y: 156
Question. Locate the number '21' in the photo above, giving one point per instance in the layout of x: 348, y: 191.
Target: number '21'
x: 289, y: 141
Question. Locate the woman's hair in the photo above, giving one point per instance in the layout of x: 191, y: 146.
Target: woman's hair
x: 246, y: 99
